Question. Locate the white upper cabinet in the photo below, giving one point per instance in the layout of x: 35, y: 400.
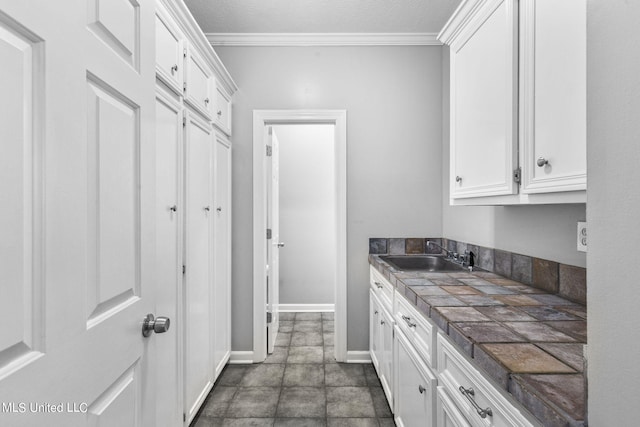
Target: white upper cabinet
x: 223, y: 109
x: 199, y: 83
x: 517, y: 101
x: 169, y: 50
x: 553, y: 101
x: 484, y: 100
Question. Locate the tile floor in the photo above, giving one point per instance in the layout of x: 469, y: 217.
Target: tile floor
x: 299, y: 385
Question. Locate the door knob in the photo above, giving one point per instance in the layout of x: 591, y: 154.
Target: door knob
x: 542, y: 162
x: 151, y: 324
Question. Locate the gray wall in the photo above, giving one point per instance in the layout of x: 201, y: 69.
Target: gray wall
x: 613, y: 156
x: 393, y: 100
x: 307, y: 213
x: 543, y: 231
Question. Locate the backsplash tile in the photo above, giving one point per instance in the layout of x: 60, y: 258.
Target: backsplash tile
x: 414, y: 246
x: 573, y: 283
x: 377, y: 246
x: 433, y: 249
x: 521, y: 269
x: 543, y: 275
x: 502, y: 262
x: 486, y: 258
x: 396, y: 247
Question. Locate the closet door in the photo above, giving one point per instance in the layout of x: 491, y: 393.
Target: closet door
x: 222, y: 253
x: 198, y: 289
x: 169, y: 211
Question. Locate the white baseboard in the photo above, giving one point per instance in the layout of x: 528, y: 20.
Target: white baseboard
x: 358, y: 357
x: 241, y: 358
x: 306, y: 307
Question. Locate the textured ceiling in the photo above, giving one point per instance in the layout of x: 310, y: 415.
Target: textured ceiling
x: 322, y: 16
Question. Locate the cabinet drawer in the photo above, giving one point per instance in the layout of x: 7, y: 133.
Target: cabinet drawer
x: 447, y: 413
x: 199, y: 84
x: 169, y: 51
x: 222, y: 116
x: 418, y: 330
x: 466, y: 385
x: 382, y: 288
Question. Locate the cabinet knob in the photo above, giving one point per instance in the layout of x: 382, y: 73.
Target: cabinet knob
x: 174, y: 68
x: 382, y: 322
x: 219, y: 209
x: 206, y: 100
x: 542, y: 162
x: 421, y: 389
x: 219, y: 113
x: 458, y: 178
x: 173, y: 208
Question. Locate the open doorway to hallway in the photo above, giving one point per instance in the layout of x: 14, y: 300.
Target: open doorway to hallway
x: 307, y: 197
x: 310, y: 191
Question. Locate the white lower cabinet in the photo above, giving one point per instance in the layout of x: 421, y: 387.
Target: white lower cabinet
x: 381, y: 344
x: 427, y: 380
x: 415, y: 386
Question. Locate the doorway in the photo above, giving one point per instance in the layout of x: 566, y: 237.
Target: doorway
x: 267, y: 246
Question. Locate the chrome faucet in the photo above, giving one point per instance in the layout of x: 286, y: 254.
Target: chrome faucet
x: 446, y: 251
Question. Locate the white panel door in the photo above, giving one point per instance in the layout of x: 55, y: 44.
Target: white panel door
x: 198, y: 289
x: 222, y: 253
x: 374, y: 331
x: 77, y: 180
x: 484, y: 104
x: 273, y: 244
x: 554, y: 95
x: 169, y: 214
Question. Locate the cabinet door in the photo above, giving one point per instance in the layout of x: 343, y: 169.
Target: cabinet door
x: 553, y: 103
x: 169, y: 50
x: 198, y: 294
x: 223, y: 110
x: 484, y: 103
x: 168, y: 268
x: 222, y: 253
x: 415, y: 386
x: 374, y: 331
x: 386, y: 346
x: 199, y: 83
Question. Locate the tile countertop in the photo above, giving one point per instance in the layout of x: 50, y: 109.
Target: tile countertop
x: 528, y: 341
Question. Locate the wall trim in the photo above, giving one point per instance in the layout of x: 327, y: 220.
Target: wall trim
x: 306, y: 307
x: 241, y: 358
x: 323, y: 39
x: 262, y: 119
x: 358, y: 357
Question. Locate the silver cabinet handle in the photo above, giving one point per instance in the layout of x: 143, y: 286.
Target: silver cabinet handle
x: 458, y: 178
x: 408, y: 320
x: 375, y: 312
x: 421, y: 389
x: 174, y: 68
x: 150, y: 324
x: 382, y: 322
x: 219, y: 209
x: 378, y: 285
x: 207, y: 208
x: 206, y: 101
x: 219, y: 113
x: 541, y: 162
x: 280, y: 245
x: 469, y: 393
x: 173, y: 208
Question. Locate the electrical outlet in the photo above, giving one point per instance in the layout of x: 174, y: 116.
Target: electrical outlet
x: 582, y: 236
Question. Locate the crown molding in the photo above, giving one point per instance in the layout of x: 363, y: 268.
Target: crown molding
x: 323, y: 39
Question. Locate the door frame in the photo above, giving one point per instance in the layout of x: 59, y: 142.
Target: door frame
x: 262, y: 118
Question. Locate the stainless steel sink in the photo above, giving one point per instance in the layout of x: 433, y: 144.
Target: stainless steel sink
x: 421, y: 262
